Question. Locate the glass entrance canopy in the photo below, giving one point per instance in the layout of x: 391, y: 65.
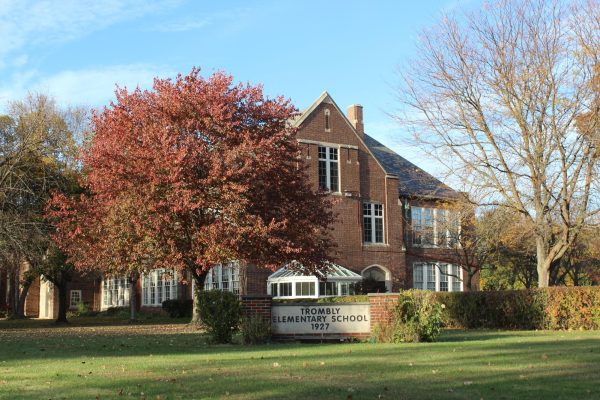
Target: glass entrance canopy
x: 291, y: 284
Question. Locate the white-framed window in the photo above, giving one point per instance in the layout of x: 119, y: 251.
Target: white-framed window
x: 305, y: 289
x: 328, y: 289
x: 115, y: 291
x: 285, y: 289
x: 158, y: 286
x: 434, y: 227
x: 224, y: 277
x: 329, y: 169
x: 439, y: 277
x: 75, y: 298
x: 327, y: 120
x: 372, y: 223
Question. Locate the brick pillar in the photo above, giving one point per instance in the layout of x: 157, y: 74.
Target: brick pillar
x: 257, y: 305
x: 382, y: 307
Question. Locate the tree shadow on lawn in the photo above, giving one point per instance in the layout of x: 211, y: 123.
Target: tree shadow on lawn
x: 99, y: 321
x: 333, y: 372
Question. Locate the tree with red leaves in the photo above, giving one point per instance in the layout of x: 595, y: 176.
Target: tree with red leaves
x: 190, y: 174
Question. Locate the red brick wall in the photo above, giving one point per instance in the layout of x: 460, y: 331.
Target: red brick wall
x: 32, y: 301
x: 366, y: 180
x: 259, y: 305
x: 382, y: 307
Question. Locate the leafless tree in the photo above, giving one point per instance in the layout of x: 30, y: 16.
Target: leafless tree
x: 496, y: 94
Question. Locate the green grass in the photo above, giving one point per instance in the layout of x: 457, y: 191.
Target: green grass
x: 172, y: 361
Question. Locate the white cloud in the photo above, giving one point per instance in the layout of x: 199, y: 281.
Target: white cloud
x: 89, y: 87
x: 29, y: 23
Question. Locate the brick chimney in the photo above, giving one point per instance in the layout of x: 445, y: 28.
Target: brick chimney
x: 355, y: 115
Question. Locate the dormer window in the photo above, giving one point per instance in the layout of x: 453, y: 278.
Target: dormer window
x: 327, y: 122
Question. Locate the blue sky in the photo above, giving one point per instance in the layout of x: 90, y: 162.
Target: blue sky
x: 78, y: 50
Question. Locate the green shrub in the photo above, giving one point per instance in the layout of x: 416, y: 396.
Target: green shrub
x: 418, y: 317
x: 178, y: 308
x: 382, y: 333
x: 255, y: 330
x: 220, y: 314
x: 573, y: 307
x: 547, y: 308
x: 117, y: 311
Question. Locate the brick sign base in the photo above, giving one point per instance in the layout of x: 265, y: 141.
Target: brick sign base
x: 321, y: 321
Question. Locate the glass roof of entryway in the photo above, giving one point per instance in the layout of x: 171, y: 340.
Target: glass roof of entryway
x: 335, y: 271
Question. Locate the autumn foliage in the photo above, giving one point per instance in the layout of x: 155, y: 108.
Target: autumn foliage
x: 189, y: 174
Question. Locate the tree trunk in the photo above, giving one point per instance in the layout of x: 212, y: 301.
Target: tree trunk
x: 543, y: 266
x: 469, y: 282
x: 198, y: 287
x: 133, y: 278
x: 22, y: 298
x: 62, y: 303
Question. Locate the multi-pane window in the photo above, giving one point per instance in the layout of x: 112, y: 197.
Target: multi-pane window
x: 158, y: 286
x: 115, y: 292
x: 328, y: 169
x: 328, y: 288
x: 438, y: 277
x: 224, y: 277
x: 346, y: 289
x: 443, y: 277
x: 430, y: 270
x: 75, y: 298
x: 305, y: 288
x: 285, y: 289
x: 456, y: 277
x: 422, y: 226
x: 372, y: 223
x: 434, y: 227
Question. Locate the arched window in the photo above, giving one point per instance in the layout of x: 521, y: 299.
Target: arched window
x: 327, y: 121
x: 380, y: 277
x: 374, y: 273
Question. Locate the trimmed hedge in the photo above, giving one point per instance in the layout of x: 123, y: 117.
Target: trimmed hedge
x: 178, y: 308
x: 547, y: 308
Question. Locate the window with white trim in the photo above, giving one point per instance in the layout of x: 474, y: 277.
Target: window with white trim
x: 328, y: 169
x: 158, y: 286
x: 372, y: 223
x: 115, y: 291
x: 75, y: 298
x: 434, y: 227
x: 328, y: 288
x: 439, y: 277
x: 224, y: 277
x: 305, y: 289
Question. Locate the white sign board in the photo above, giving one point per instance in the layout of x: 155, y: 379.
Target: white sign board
x: 310, y: 318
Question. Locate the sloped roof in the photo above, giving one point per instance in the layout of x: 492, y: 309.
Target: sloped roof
x: 412, y: 180
x: 335, y: 271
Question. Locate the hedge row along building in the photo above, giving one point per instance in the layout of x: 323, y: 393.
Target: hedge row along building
x: 389, y: 226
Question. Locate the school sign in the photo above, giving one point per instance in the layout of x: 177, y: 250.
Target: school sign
x: 311, y: 318
x: 321, y: 321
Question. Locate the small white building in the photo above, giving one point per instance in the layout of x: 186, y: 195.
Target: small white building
x: 290, y: 284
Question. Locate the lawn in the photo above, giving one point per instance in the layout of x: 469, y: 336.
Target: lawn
x: 155, y: 360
